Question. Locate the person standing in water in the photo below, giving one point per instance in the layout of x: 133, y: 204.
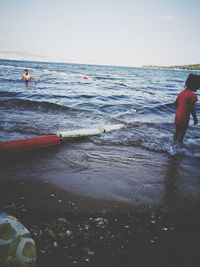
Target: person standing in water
x: 185, y: 105
x: 26, y: 76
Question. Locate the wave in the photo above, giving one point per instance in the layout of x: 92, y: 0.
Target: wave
x: 109, y: 80
x: 159, y: 108
x: 8, y: 79
x: 8, y: 94
x: 149, y: 136
x: 112, y: 108
x: 12, y: 67
x: 25, y: 104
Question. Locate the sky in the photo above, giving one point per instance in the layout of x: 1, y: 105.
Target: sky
x: 107, y: 32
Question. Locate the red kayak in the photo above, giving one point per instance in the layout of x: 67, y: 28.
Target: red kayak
x: 10, y: 147
x: 21, y: 145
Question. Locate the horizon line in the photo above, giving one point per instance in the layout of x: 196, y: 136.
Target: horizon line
x: 48, y: 60
x: 63, y: 62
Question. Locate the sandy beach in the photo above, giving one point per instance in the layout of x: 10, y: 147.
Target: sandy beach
x: 90, y: 205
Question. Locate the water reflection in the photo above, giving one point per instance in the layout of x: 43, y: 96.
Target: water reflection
x: 173, y: 183
x: 26, y: 83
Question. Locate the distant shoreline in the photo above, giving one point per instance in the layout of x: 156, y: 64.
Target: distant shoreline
x: 194, y: 67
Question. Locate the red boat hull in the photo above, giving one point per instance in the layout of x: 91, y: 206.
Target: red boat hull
x: 15, y: 146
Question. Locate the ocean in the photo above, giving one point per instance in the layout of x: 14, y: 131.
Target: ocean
x: 74, y: 96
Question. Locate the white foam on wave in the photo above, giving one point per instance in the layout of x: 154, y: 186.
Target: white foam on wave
x: 60, y: 74
x: 14, y: 67
x: 152, y: 138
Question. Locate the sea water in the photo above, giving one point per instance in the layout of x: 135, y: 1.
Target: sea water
x: 75, y: 96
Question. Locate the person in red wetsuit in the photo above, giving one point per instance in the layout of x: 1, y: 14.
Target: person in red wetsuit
x: 185, y: 105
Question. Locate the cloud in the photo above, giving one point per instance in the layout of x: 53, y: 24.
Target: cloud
x: 168, y: 17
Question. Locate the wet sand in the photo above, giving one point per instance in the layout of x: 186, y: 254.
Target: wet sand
x: 90, y: 205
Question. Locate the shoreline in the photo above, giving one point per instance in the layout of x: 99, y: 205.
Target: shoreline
x: 88, y: 205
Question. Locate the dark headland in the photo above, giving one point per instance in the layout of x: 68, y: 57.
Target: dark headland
x: 179, y: 67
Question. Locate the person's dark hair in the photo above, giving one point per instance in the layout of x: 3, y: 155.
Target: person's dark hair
x: 193, y: 81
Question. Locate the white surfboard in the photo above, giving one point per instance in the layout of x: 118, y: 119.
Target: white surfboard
x: 89, y: 132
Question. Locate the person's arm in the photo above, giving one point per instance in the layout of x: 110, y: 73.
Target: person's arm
x: 193, y: 112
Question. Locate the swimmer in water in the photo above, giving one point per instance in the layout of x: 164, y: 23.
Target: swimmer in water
x: 26, y: 76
